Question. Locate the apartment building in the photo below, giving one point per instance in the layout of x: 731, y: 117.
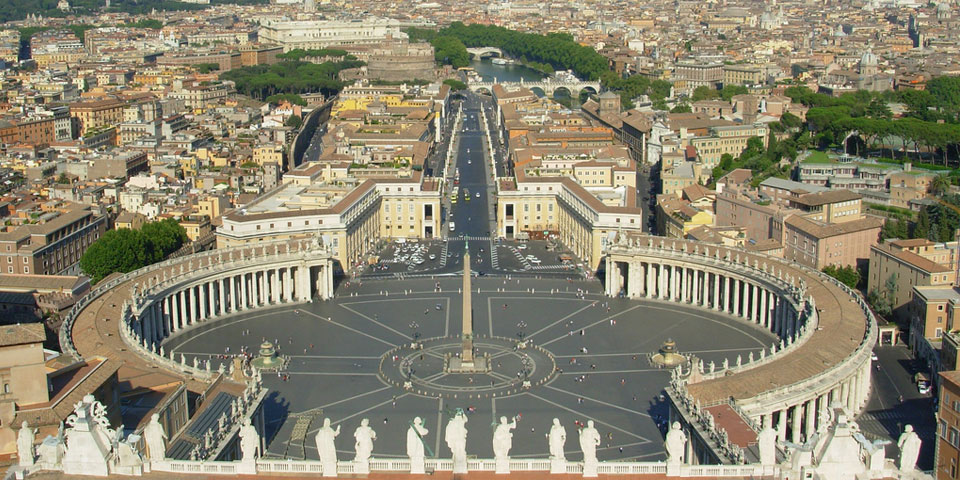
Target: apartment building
x: 54, y: 245
x: 90, y: 116
x: 948, y: 427
x: 351, y: 214
x: 726, y: 139
x: 910, y: 263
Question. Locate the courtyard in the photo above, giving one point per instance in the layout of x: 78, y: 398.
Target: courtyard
x: 585, y: 356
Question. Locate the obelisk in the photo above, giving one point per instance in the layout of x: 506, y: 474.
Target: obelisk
x: 466, y: 356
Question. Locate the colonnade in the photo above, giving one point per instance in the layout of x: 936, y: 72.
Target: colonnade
x: 766, y: 292
x: 198, y: 298
x: 797, y: 422
x: 706, y: 287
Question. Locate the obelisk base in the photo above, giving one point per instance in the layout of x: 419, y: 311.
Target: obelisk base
x: 480, y: 364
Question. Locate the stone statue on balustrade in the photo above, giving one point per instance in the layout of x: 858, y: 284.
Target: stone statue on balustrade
x: 676, y: 444
x: 557, y: 438
x: 456, y: 438
x: 249, y: 441
x: 51, y: 450
x: 767, y: 444
x: 502, y: 443
x: 415, y: 440
x: 327, y: 449
x: 155, y: 439
x: 909, y: 445
x: 364, y: 437
x: 589, y: 440
x: 25, y: 439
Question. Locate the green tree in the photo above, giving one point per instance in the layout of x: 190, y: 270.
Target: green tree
x: 293, y: 121
x: 940, y: 185
x: 63, y: 179
x: 164, y: 237
x: 681, y: 108
x: 287, y: 97
x: 847, y: 275
x: 206, y: 67
x: 704, y: 93
x: 121, y: 250
x: 730, y: 91
x: 455, y: 85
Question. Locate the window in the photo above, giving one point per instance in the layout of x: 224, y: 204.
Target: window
x: 954, y: 437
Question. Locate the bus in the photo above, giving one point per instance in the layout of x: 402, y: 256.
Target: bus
x: 454, y: 194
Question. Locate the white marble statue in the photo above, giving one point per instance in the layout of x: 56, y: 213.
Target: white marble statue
x: 25, y: 439
x: 557, y: 438
x: 155, y: 439
x: 249, y: 441
x: 364, y: 436
x: 456, y: 438
x: 327, y: 449
x: 767, y: 443
x: 415, y: 435
x: 503, y: 438
x: 675, y: 444
x: 909, y: 445
x: 589, y: 440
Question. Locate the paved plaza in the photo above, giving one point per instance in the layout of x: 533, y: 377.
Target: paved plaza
x: 586, y: 357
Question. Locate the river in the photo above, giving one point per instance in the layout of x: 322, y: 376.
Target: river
x: 512, y: 73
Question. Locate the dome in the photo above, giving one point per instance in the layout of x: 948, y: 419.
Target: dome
x: 868, y: 58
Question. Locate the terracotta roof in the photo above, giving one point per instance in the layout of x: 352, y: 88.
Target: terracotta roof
x: 912, y: 259
x: 22, y: 333
x: 827, y: 230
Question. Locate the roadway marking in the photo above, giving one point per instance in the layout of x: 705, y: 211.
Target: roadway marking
x: 612, y: 427
x: 601, y: 402
x: 352, y: 329
x: 598, y: 322
x: 339, y: 401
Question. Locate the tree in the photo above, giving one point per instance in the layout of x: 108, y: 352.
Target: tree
x: 681, y: 108
x: 455, y: 85
x: 121, y: 250
x: 165, y: 237
x: 63, y: 179
x: 292, y: 98
x: 847, y: 275
x: 704, y: 93
x: 206, y: 67
x: 293, y: 121
x: 940, y: 185
x: 729, y: 91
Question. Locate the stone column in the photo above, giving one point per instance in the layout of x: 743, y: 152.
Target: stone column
x: 782, y: 425
x: 845, y: 394
x: 716, y: 292
x: 202, y: 312
x: 243, y: 291
x: 328, y: 274
x: 737, y: 310
x: 726, y: 294
x: 651, y: 286
x: 695, y: 294
x: 674, y: 283
x: 191, y: 305
x: 811, y: 416
x: 662, y: 282
x: 763, y: 307
x: 184, y: 310
x: 684, y: 283
x: 272, y: 281
x: 175, y: 311
x: 287, y: 288
x: 221, y: 298
x: 822, y: 402
x: 608, y: 276
x: 233, y: 293
x: 797, y: 418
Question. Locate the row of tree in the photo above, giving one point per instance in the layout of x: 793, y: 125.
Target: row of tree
x: 126, y: 250
x: 937, y: 222
x: 19, y: 9
x: 558, y: 50
x: 262, y: 81
x: 299, y: 53
x: 930, y: 125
